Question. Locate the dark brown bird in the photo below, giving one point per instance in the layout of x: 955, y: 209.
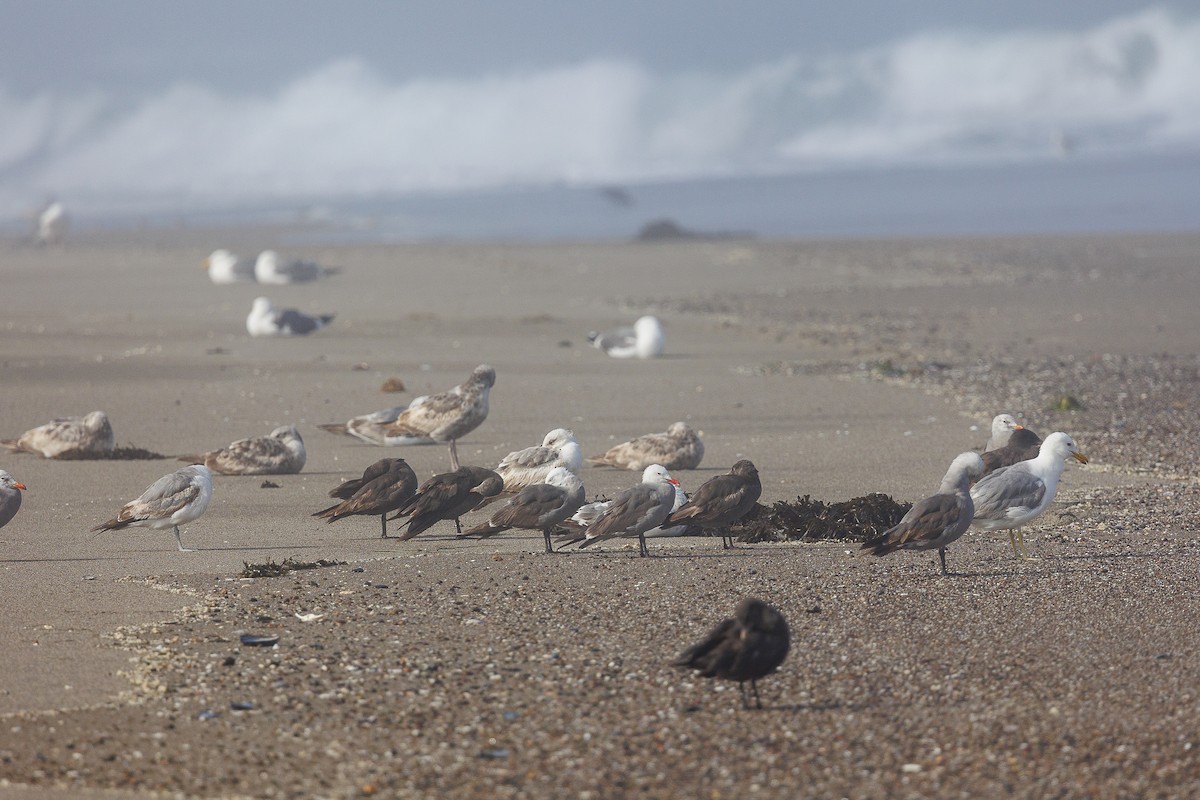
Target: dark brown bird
x: 538, y: 507
x: 722, y: 501
x: 1023, y: 445
x: 384, y: 487
x: 747, y: 647
x: 448, y: 496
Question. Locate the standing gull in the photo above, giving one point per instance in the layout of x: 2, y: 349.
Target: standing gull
x: 644, y: 340
x: 265, y: 319
x: 538, y: 507
x: 937, y: 520
x: 679, y: 448
x: 1023, y: 445
x: 636, y: 510
x: 88, y: 436
x: 171, y: 501
x: 10, y: 497
x: 574, y: 529
x: 750, y: 645
x: 225, y: 267
x: 1013, y: 496
x: 1003, y: 426
x: 445, y: 417
x: 52, y: 222
x: 280, y: 453
x: 448, y: 496
x: 384, y: 487
x: 268, y: 268
x: 722, y: 500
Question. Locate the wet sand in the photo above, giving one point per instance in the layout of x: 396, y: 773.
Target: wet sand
x: 447, y: 668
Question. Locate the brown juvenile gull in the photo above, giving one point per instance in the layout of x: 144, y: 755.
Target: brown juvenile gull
x: 679, y: 448
x: 370, y: 428
x: 1003, y: 426
x: 636, y: 510
x: 445, y: 417
x: 265, y: 319
x: 722, y: 500
x: 384, y: 487
x: 89, y: 436
x: 538, y: 507
x: 937, y: 520
x: 10, y: 497
x: 1014, y: 496
x: 280, y: 453
x: 448, y: 496
x: 1022, y: 446
x: 747, y: 647
x: 171, y: 501
x: 644, y: 340
x: 531, y: 465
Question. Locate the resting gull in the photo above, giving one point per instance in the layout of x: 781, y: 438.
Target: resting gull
x: 636, y: 510
x: 279, y: 453
x: 89, y: 436
x: 445, y: 417
x: 269, y: 268
x: 171, y: 501
x: 537, y: 507
x: 448, y: 495
x: 679, y: 448
x: 266, y: 320
x: 384, y: 487
x: 370, y: 428
x: 225, y: 267
x: 10, y: 497
x: 1003, y: 426
x: 643, y: 340
x: 722, y: 500
x: 747, y: 647
x: 52, y: 224
x: 1014, y: 496
x: 531, y: 465
x: 1022, y: 446
x: 938, y: 520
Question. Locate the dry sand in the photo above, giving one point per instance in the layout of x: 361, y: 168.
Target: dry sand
x: 462, y: 669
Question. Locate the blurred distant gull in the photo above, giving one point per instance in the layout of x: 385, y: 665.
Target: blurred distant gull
x: 269, y: 268
x: 537, y: 507
x: 643, y: 340
x: 51, y: 224
x: 266, y: 320
x: 370, y: 428
x: 722, y: 500
x: 1003, y: 426
x: 171, y: 501
x: 445, y: 417
x: 636, y: 510
x: 10, y: 497
x: 747, y: 647
x: 89, y: 436
x: 448, y: 495
x: 1013, y: 496
x: 679, y: 448
x: 280, y: 453
x: 225, y: 267
x: 938, y: 520
x: 1022, y: 446
x: 531, y: 465
x: 384, y: 487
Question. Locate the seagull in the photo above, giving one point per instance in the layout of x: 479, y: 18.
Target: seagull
x: 679, y: 448
x: 1014, y: 496
x: 384, y: 487
x: 89, y: 436
x: 225, y: 267
x: 445, y: 417
x: 937, y: 520
x: 636, y: 510
x: 750, y: 645
x: 279, y: 453
x: 171, y: 501
x: 269, y: 269
x: 1022, y: 446
x: 448, y: 496
x: 722, y: 500
x: 573, y: 529
x: 1003, y: 426
x: 643, y: 340
x: 531, y: 465
x: 51, y: 224
x: 537, y: 507
x: 10, y: 497
x: 265, y: 319
x: 370, y: 428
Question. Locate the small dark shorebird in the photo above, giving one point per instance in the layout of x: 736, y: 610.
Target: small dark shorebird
x: 385, y: 486
x: 722, y: 500
x: 746, y: 647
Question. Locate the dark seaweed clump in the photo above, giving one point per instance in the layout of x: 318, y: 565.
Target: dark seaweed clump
x: 810, y: 520
x: 120, y: 453
x: 273, y: 570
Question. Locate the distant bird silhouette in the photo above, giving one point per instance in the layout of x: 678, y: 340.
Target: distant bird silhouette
x: 225, y: 267
x: 722, y: 500
x: 448, y: 496
x: 52, y: 223
x: 679, y: 448
x: 268, y: 268
x: 384, y: 487
x: 171, y: 501
x: 538, y: 507
x: 1023, y: 445
x: 747, y: 647
x: 644, y: 340
x: 265, y: 319
x: 10, y: 497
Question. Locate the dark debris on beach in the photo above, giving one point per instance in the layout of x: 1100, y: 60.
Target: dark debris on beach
x: 121, y: 453
x: 273, y: 570
x: 809, y: 520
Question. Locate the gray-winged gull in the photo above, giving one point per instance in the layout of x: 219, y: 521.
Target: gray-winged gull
x: 636, y: 510
x: 171, y: 501
x: 537, y: 507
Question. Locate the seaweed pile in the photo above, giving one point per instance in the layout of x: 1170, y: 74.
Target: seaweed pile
x: 810, y: 520
x: 273, y: 570
x: 120, y: 453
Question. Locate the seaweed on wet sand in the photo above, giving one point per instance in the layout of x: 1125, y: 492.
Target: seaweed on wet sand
x: 810, y: 520
x: 273, y: 570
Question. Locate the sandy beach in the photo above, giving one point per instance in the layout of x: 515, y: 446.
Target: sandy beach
x: 447, y: 668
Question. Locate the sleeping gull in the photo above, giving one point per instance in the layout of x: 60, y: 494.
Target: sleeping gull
x: 643, y: 340
x: 1013, y: 496
x: 722, y: 500
x: 937, y: 520
x: 266, y: 320
x: 448, y: 495
x: 279, y: 453
x: 636, y: 510
x: 384, y: 487
x: 679, y: 448
x: 89, y: 436
x: 225, y: 267
x: 537, y: 507
x: 531, y: 465
x: 445, y: 417
x: 171, y: 501
x: 1003, y: 426
x: 51, y: 224
x: 1022, y: 446
x: 747, y: 647
x: 370, y: 428
x: 10, y: 497
x: 268, y: 268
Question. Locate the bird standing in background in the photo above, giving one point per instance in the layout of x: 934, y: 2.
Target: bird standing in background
x: 447, y: 416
